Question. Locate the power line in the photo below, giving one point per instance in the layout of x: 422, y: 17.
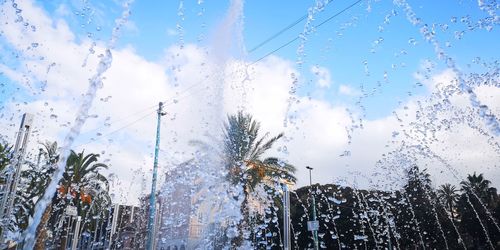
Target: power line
x: 296, y: 38
x: 121, y: 119
x: 338, y: 13
x: 283, y: 30
x: 271, y: 38
x: 168, y: 102
x: 117, y: 130
x: 275, y: 50
x: 278, y: 33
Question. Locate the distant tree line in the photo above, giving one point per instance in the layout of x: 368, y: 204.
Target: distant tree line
x: 416, y: 217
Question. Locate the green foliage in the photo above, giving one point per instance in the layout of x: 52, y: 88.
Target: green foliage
x: 35, y: 177
x: 243, y: 153
x: 448, y: 194
x: 88, y: 188
x: 474, y: 206
x: 5, y: 155
x: 415, y: 217
x: 84, y: 187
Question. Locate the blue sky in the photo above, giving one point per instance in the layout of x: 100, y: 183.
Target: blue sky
x: 373, y: 36
x: 154, y: 26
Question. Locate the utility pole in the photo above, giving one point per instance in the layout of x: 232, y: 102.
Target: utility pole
x: 313, y: 225
x: 13, y: 171
x: 286, y: 217
x: 152, y: 197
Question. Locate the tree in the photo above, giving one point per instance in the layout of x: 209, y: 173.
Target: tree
x: 478, y: 185
x: 34, y: 178
x: 449, y: 194
x: 5, y: 156
x: 423, y: 222
x: 243, y: 152
x: 38, y: 178
x: 475, y: 203
x: 81, y: 185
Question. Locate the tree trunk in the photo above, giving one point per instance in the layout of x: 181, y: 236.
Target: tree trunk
x: 243, y: 225
x: 450, y: 205
x: 41, y: 230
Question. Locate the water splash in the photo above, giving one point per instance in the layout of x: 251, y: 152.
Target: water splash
x: 482, y: 110
x: 308, y: 30
x: 95, y: 83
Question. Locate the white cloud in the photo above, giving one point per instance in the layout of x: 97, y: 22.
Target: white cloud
x: 62, y: 10
x: 322, y: 74
x: 197, y: 97
x: 348, y: 90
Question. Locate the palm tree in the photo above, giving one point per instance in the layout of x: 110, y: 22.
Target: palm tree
x: 478, y: 185
x: 477, y: 200
x: 50, y: 152
x: 33, y: 182
x: 82, y: 184
x: 51, y: 155
x: 243, y: 153
x: 38, y: 176
x: 449, y: 194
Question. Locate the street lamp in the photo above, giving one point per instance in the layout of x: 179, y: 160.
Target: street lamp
x: 313, y: 224
x: 286, y: 217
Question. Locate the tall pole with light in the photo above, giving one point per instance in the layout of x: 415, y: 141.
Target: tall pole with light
x: 313, y: 225
x: 286, y: 217
x: 152, y: 197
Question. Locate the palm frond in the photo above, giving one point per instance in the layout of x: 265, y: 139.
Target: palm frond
x: 261, y: 150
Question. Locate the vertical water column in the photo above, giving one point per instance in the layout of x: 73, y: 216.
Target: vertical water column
x: 81, y: 116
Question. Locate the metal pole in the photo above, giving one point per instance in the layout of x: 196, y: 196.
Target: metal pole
x: 68, y: 229
x: 40, y: 152
x: 13, y: 177
x: 76, y: 234
x: 314, y: 232
x: 152, y: 197
x: 286, y: 217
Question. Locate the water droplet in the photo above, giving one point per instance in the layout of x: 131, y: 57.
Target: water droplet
x: 412, y: 41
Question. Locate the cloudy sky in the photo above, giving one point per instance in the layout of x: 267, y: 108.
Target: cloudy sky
x: 361, y: 90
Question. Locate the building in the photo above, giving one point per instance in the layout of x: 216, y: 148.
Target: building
x: 177, y: 229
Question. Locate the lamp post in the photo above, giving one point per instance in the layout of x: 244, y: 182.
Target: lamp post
x: 313, y: 225
x: 152, y: 197
x: 286, y: 217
